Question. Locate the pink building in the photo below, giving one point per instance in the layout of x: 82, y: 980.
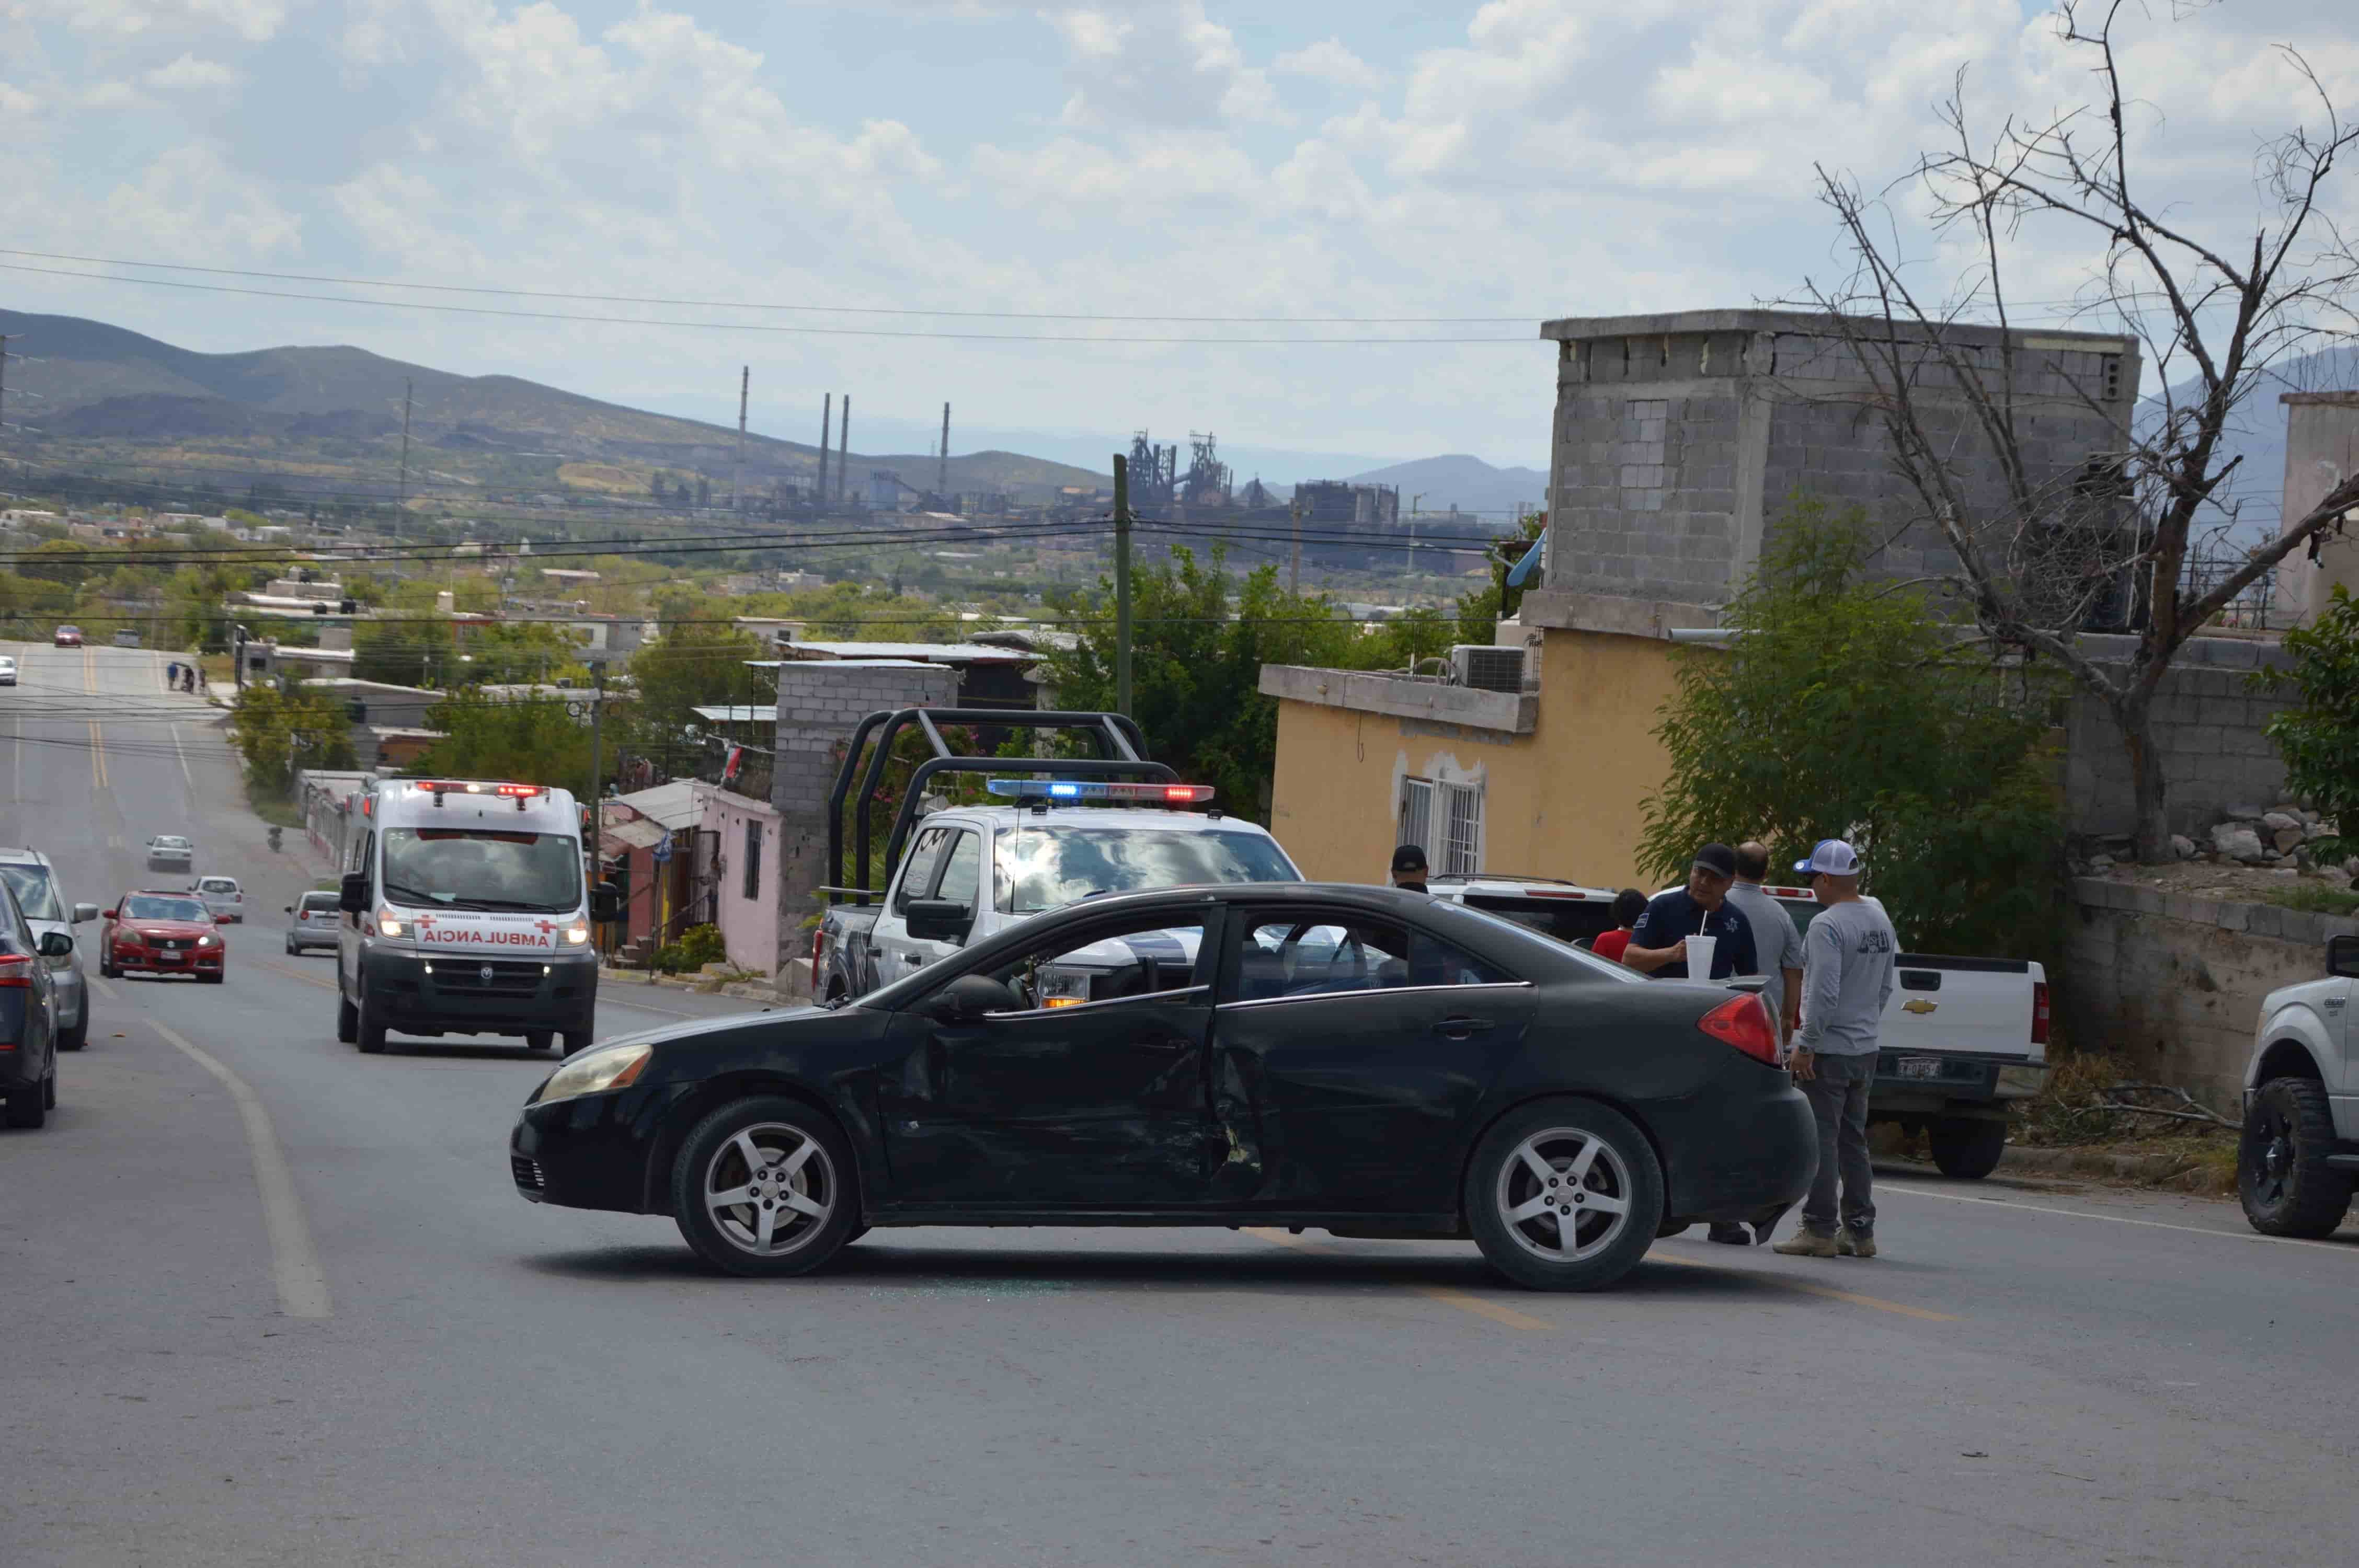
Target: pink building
x: 745, y: 897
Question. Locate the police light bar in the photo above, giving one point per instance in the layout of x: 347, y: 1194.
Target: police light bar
x: 1090, y: 789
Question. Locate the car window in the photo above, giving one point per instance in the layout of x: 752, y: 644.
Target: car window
x: 215, y: 884
x: 1104, y: 963
x: 14, y: 931
x: 1299, y: 955
x: 34, y: 890
x: 143, y: 906
x: 1038, y: 866
x: 320, y: 901
x: 962, y: 871
x: 918, y: 871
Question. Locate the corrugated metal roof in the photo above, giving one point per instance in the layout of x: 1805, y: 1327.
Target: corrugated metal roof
x: 673, y: 804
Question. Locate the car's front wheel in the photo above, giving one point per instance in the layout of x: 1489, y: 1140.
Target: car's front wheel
x: 2282, y: 1176
x: 1564, y: 1194
x: 369, y: 1033
x: 765, y: 1186
x: 539, y: 1038
x: 348, y: 1020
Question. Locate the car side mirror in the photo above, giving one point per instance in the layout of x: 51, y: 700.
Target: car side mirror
x: 351, y: 893
x: 605, y: 904
x: 56, y: 944
x: 110, y: 914
x: 938, y: 920
x: 2343, y: 956
x: 82, y: 912
x: 970, y: 998
x: 290, y: 909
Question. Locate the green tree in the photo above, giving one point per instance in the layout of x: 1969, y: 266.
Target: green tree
x: 277, y: 733
x: 529, y: 742
x: 2318, y: 736
x: 1199, y: 640
x: 523, y: 651
x: 1846, y: 707
x: 410, y: 650
x: 693, y: 663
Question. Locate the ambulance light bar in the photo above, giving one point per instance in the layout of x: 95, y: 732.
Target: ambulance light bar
x: 1080, y: 789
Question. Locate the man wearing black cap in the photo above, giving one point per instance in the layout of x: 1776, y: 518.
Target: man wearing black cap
x: 1408, y: 869
x: 1658, y: 942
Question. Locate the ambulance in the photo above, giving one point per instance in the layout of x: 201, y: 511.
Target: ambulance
x: 466, y: 910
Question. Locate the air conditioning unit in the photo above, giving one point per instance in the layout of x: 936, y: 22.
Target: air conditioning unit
x: 1487, y: 668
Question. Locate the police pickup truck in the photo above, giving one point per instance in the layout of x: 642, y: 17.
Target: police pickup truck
x: 1960, y: 1040
x: 1073, y: 831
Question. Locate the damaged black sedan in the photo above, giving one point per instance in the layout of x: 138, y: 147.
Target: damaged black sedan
x: 1368, y: 1062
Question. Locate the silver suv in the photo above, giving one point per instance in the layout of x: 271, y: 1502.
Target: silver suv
x: 34, y: 881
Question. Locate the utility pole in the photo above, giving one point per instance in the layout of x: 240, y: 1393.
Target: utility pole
x: 826, y: 438
x: 942, y: 481
x: 737, y: 473
x: 597, y: 712
x: 1412, y: 531
x: 1122, y: 584
x: 1294, y: 572
x: 402, y: 504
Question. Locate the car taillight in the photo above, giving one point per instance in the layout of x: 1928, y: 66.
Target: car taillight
x: 1744, y: 1023
x: 16, y: 970
x: 818, y: 948
x: 2039, y: 1012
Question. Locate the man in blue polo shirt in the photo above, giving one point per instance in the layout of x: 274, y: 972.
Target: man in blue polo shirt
x: 1658, y: 942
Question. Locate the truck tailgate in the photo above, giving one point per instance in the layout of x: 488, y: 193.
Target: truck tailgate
x: 1979, y: 1005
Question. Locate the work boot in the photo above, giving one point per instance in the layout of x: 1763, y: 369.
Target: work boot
x: 1729, y: 1234
x: 1855, y: 1243
x: 1807, y: 1244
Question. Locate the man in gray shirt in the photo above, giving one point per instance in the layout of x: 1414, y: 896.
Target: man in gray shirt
x: 1847, y: 979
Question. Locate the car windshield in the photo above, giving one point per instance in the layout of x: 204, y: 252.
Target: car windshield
x: 169, y: 842
x: 1053, y: 865
x: 145, y: 907
x: 460, y: 868
x: 36, y: 895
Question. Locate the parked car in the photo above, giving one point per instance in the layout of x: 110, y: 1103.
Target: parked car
x: 170, y: 850
x: 161, y: 933
x: 34, y: 881
x: 318, y: 920
x: 7, y: 670
x: 2297, y: 1158
x: 1370, y: 1062
x: 29, y: 1016
x: 222, y: 896
x: 67, y: 637
x: 125, y: 637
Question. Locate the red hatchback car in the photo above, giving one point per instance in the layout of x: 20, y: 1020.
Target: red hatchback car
x: 69, y: 637
x: 162, y: 933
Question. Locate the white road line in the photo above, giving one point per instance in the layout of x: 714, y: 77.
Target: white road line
x: 295, y: 1263
x: 186, y: 777
x: 2343, y: 1247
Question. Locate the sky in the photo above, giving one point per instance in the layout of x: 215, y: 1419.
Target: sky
x: 1384, y: 179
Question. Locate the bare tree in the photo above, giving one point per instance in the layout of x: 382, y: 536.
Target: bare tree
x: 2038, y: 548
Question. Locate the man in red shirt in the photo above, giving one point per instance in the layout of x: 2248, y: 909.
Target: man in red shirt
x: 1628, y: 905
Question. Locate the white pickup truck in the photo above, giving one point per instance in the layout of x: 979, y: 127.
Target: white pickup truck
x: 2297, y: 1158
x: 1961, y: 1039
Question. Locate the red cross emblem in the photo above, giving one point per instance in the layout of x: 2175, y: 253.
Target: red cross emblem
x: 543, y: 926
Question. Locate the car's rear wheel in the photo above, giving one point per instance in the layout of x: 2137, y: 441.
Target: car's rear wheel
x: 2282, y: 1176
x: 1564, y: 1194
x: 764, y: 1187
x: 29, y: 1107
x: 77, y: 1037
x: 1965, y: 1148
x: 369, y: 1033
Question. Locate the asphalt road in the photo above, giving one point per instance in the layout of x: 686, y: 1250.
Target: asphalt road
x: 262, y: 1299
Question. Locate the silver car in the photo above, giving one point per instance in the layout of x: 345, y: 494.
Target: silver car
x: 317, y: 917
x: 170, y: 849
x: 225, y: 899
x: 34, y: 881
x: 7, y: 670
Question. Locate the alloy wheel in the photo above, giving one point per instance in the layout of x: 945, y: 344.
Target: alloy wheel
x: 1564, y: 1194
x: 770, y: 1189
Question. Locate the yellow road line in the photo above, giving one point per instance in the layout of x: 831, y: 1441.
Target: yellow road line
x: 1829, y: 1293
x: 1463, y: 1301
x: 97, y: 755
x: 290, y: 974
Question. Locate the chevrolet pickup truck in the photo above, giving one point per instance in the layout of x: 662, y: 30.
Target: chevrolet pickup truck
x: 2297, y: 1158
x: 1081, y: 831
x: 1961, y: 1039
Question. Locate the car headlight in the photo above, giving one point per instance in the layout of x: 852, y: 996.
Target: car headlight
x: 593, y: 1072
x: 391, y: 924
x: 208, y: 941
x: 575, y: 935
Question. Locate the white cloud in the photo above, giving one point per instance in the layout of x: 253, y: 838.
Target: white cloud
x: 1329, y: 60
x: 1165, y: 62
x: 188, y: 73
x: 256, y: 21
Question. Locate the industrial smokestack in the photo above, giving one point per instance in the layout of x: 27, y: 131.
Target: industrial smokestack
x: 826, y: 436
x: 942, y: 481
x: 844, y: 453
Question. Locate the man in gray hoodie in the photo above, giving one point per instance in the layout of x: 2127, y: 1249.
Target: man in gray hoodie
x: 1848, y: 954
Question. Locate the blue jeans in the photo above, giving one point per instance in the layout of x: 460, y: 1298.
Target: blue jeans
x: 1838, y: 1097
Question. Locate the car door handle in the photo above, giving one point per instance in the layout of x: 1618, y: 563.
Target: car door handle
x: 1460, y: 1028
x: 1168, y: 1044
x: 911, y: 959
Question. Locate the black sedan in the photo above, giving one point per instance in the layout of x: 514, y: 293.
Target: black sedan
x: 1373, y: 1063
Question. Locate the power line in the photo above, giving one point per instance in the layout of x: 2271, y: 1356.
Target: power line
x: 756, y: 305
x: 1123, y: 341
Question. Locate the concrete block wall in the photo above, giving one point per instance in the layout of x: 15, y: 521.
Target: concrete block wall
x: 2173, y: 984
x: 2208, y: 721
x: 1645, y: 490
x: 820, y: 705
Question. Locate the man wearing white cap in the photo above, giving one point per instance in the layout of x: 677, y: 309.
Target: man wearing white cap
x: 1846, y: 980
